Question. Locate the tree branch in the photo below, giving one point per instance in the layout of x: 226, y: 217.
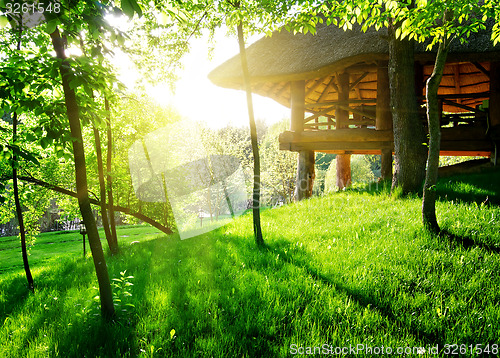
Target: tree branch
x: 122, y: 209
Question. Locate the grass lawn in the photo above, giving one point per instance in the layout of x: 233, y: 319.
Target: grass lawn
x: 352, y: 271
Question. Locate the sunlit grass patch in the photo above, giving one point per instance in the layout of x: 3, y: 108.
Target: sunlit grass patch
x: 347, y: 268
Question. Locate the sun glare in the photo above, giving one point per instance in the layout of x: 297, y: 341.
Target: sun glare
x: 198, y: 99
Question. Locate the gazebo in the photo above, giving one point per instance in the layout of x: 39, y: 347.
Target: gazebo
x: 337, y: 86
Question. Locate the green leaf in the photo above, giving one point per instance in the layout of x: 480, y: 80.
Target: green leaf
x: 51, y: 26
x: 129, y: 7
x: 398, y: 32
x: 4, y: 22
x: 30, y: 137
x: 44, y: 142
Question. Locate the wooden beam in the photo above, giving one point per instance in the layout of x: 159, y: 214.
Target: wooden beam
x: 360, y: 78
x: 342, y: 113
x: 317, y: 124
x: 319, y: 114
x: 349, y: 101
x: 314, y: 86
x: 455, y: 104
x: 456, y: 78
x: 327, y: 88
x: 370, y: 152
x: 464, y: 95
x: 386, y: 165
x: 285, y: 87
x: 419, y: 79
x: 463, y: 132
x: 343, y: 161
x: 362, y: 122
x: 448, y: 153
x: 297, y: 103
x: 454, y: 147
x: 343, y: 146
x: 482, y: 69
x: 467, y: 145
x: 356, y: 111
x: 339, y: 135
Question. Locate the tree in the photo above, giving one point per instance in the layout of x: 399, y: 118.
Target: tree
x: 409, y: 135
x: 14, y: 100
x: 407, y: 21
x: 408, y: 130
x: 442, y: 22
x: 238, y: 14
x: 106, y: 295
x: 109, y: 178
x: 255, y: 146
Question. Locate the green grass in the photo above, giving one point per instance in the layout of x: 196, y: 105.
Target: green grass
x: 51, y: 246
x: 472, y: 187
x: 346, y: 269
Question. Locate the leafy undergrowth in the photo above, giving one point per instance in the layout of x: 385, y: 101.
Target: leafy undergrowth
x: 339, y: 271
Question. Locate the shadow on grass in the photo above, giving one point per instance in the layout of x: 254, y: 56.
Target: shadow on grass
x: 304, y: 261
x: 65, y: 315
x: 221, y: 294
x: 467, y: 242
x: 483, y: 187
x: 472, y: 188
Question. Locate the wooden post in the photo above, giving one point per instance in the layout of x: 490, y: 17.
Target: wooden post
x: 494, y: 94
x: 305, y: 175
x: 297, y: 99
x: 343, y: 161
x: 305, y: 166
x: 495, y: 108
x: 383, y: 115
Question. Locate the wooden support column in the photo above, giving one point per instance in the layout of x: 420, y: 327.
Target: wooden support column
x: 495, y: 94
x: 343, y: 161
x: 383, y: 115
x: 494, y: 116
x: 297, y: 103
x: 305, y: 166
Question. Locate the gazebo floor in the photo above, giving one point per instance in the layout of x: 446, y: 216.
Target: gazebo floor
x: 455, y: 141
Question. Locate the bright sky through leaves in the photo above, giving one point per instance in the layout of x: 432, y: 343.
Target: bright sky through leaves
x: 198, y: 99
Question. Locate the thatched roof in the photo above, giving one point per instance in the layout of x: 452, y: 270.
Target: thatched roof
x: 285, y: 56
x: 275, y: 61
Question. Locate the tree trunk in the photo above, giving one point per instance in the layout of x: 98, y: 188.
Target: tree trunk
x: 433, y: 115
x: 409, y: 135
x: 255, y: 147
x: 102, y: 192
x: 106, y: 296
x: 19, y: 211
x: 109, y: 178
